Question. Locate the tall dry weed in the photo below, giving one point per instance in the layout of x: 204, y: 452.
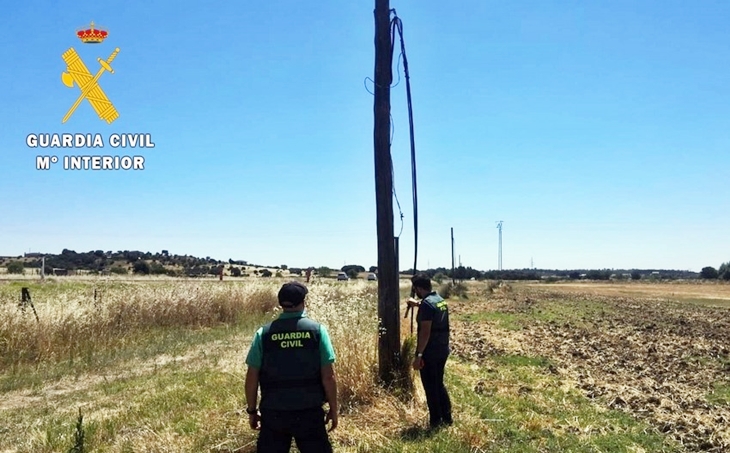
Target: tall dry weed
x: 349, y: 311
x: 75, y: 326
x: 72, y: 326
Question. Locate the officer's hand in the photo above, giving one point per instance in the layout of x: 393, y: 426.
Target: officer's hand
x: 418, y: 363
x: 413, y: 302
x: 254, y: 421
x: 331, y: 416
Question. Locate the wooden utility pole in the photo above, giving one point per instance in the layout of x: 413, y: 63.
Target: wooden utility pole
x: 388, y: 294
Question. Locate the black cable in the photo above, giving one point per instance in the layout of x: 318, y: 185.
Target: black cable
x: 392, y: 177
x: 397, y: 26
x: 365, y: 81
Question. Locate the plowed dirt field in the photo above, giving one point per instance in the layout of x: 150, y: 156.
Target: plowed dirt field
x: 656, y: 352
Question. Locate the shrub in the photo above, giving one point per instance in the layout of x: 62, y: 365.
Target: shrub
x: 119, y: 270
x: 449, y: 289
x: 79, y: 435
x: 492, y: 286
x: 141, y: 267
x: 157, y: 269
x: 324, y: 271
x: 16, y: 267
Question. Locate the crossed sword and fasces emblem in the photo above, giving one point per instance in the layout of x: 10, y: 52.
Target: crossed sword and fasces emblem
x: 90, y: 89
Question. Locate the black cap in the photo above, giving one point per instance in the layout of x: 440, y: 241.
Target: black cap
x: 292, y: 294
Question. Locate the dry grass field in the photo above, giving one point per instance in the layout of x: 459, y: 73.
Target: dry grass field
x: 157, y: 365
x: 705, y: 293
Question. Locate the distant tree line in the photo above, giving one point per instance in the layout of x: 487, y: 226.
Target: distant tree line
x: 100, y: 260
x: 120, y: 262
x: 710, y: 273
x: 146, y: 263
x: 468, y: 273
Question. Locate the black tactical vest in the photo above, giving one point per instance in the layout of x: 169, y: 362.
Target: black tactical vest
x: 438, y: 342
x: 291, y: 376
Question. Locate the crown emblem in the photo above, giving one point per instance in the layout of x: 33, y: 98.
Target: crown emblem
x: 92, y: 35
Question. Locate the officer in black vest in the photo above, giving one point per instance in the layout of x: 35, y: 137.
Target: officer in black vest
x: 292, y: 360
x: 432, y: 349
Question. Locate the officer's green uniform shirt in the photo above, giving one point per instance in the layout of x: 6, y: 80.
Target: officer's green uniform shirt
x: 256, y: 353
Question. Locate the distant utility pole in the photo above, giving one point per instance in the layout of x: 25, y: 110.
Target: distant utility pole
x: 388, y: 303
x: 499, y: 227
x: 453, y: 280
x: 43, y: 268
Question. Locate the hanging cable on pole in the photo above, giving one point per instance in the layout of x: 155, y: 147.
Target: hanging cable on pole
x: 397, y: 27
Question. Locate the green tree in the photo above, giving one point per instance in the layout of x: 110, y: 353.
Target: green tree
x: 346, y: 269
x: 598, y: 275
x: 709, y: 273
x: 724, y: 271
x: 16, y: 267
x: 295, y: 271
x: 352, y: 273
x: 324, y: 271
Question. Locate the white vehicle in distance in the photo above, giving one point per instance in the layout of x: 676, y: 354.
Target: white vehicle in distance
x: 372, y: 277
x: 342, y: 276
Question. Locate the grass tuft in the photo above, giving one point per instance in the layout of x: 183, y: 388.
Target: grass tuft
x: 78, y: 446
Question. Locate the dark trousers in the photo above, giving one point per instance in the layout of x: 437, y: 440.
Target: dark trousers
x: 306, y: 427
x: 437, y: 398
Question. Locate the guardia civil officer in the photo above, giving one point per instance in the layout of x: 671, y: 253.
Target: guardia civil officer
x: 432, y: 349
x: 292, y: 359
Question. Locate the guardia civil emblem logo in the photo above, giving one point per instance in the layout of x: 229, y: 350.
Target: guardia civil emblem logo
x: 78, y: 74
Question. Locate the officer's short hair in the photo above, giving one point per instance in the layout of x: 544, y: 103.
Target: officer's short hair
x: 422, y: 280
x: 292, y: 294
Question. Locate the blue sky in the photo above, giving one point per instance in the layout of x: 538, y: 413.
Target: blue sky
x: 599, y: 132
